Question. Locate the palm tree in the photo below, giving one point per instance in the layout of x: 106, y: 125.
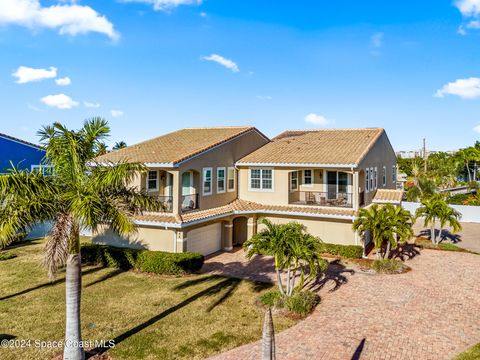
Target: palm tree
x: 268, y: 337
x: 436, y: 209
x: 79, y: 194
x: 293, y: 250
x: 119, y: 145
x: 387, y: 225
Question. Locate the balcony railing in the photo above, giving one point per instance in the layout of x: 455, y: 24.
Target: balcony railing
x: 330, y: 198
x: 166, y: 203
x: 189, y: 202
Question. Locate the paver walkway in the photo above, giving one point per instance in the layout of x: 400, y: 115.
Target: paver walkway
x: 431, y: 312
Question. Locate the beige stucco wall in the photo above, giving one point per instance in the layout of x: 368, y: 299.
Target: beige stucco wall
x: 225, y: 156
x: 381, y: 154
x: 328, y: 230
x: 145, y: 238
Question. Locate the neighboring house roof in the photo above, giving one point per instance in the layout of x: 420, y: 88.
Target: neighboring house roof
x: 20, y: 141
x: 240, y: 207
x: 334, y: 147
x: 385, y: 196
x: 176, y: 147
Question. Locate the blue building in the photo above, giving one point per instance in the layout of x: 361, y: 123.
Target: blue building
x: 20, y: 153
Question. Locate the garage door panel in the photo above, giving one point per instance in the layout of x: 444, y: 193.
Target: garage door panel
x: 205, y: 240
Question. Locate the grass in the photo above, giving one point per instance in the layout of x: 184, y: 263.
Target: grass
x: 471, y: 354
x: 6, y: 255
x: 427, y: 244
x: 389, y: 266
x: 151, y: 317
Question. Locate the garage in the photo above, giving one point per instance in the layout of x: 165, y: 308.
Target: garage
x: 206, y: 239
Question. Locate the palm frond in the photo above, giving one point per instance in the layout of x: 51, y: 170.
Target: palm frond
x: 56, y: 246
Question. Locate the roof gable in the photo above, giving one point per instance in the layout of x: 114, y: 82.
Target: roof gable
x: 20, y: 141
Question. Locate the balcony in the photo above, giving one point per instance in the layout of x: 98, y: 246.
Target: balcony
x: 166, y: 203
x: 318, y: 198
x: 189, y: 202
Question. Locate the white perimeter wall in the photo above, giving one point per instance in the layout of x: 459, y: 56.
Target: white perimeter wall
x: 469, y: 213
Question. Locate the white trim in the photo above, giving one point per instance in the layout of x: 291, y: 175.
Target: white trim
x: 41, y: 167
x: 21, y: 142
x: 261, y: 189
x: 384, y: 176
x: 299, y: 165
x: 367, y: 180
x: 224, y: 179
x: 292, y: 189
x: 228, y: 225
x: 312, y: 176
x: 234, y: 179
x: 157, y: 181
x: 203, y: 181
x: 375, y: 177
x: 163, y: 165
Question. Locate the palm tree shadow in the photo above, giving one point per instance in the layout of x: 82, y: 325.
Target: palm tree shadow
x: 229, y: 285
x: 335, y: 273
x: 447, y: 235
x: 405, y: 252
x: 358, y: 350
x: 47, y: 284
x: 107, y: 276
x: 7, y: 337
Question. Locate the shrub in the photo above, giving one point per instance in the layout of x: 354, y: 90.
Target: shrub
x: 346, y: 251
x: 271, y: 298
x: 300, y: 303
x: 388, y: 266
x: 169, y: 263
x: 158, y: 262
x: 458, y: 199
x: 5, y: 255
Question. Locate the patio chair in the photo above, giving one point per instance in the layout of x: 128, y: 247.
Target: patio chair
x: 310, y: 198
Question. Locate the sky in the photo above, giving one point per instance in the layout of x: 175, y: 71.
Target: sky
x: 153, y: 66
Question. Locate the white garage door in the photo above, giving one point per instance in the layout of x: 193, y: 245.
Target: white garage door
x: 205, y: 240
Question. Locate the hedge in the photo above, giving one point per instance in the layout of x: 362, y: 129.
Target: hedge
x: 346, y: 251
x: 158, y: 262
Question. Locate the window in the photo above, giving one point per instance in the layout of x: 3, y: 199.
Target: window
x: 308, y: 177
x: 294, y: 180
x: 220, y: 180
x: 394, y: 173
x: 207, y: 181
x: 384, y: 176
x: 367, y: 180
x: 231, y: 179
x: 152, y: 180
x: 261, y: 179
x: 375, y: 177
x: 46, y: 170
x: 371, y: 179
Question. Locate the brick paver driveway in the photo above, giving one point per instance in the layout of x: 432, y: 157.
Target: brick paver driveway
x: 432, y: 312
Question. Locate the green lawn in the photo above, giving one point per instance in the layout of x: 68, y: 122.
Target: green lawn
x: 150, y: 317
x: 471, y: 354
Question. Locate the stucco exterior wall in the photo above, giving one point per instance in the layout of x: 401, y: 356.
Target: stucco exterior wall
x: 328, y: 230
x: 146, y: 238
x: 381, y: 154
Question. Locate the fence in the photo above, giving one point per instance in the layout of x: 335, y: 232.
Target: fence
x: 469, y: 213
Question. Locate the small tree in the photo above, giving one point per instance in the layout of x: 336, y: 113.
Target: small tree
x: 388, y: 226
x: 293, y: 249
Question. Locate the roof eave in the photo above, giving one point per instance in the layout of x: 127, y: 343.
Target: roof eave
x: 309, y: 165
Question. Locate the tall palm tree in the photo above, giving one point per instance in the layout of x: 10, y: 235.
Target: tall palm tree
x: 79, y: 194
x: 119, y: 145
x: 387, y: 225
x: 449, y: 216
x: 293, y: 250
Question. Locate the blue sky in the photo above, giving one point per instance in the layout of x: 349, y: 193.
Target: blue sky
x: 153, y: 66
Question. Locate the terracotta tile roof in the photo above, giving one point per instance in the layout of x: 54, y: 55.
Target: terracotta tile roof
x: 326, y: 146
x: 239, y: 207
x: 388, y: 196
x: 5, y: 136
x: 177, y: 146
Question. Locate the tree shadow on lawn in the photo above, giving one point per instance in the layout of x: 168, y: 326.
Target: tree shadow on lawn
x: 229, y: 285
x: 335, y: 273
x: 107, y: 276
x: 444, y: 234
x: 47, y: 284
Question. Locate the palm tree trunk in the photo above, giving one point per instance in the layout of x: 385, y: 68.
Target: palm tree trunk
x: 289, y: 281
x: 73, y: 281
x: 268, y: 337
x: 279, y: 282
x: 387, y: 252
x: 433, y: 236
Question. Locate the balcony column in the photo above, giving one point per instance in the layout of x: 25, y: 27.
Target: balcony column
x: 181, y: 241
x: 355, y: 191
x: 227, y: 235
x: 176, y: 192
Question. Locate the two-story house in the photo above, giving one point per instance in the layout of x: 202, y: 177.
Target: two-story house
x: 215, y: 183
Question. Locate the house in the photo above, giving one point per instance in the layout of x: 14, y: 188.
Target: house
x: 20, y: 153
x: 215, y: 183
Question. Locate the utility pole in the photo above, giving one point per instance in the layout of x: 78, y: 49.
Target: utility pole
x: 424, y: 155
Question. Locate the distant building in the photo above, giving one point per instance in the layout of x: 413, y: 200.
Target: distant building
x: 411, y: 154
x: 20, y: 153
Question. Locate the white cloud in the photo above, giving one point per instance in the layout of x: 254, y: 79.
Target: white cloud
x: 470, y: 10
x: 465, y: 88
x: 165, y: 5
x: 60, y: 101
x: 477, y: 129
x: 70, y: 19
x: 264, y: 97
x: 26, y: 74
x: 229, y: 64
x: 91, y: 105
x: 63, y: 81
x: 317, y: 119
x: 116, y: 113
x: 377, y: 40
x: 203, y: 14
